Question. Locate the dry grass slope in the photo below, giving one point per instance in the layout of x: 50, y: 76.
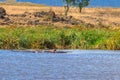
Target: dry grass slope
x: 96, y: 16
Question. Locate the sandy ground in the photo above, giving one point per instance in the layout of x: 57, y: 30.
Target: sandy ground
x: 101, y: 16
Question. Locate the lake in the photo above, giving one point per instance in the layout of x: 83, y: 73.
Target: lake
x: 93, y: 3
x: 73, y: 65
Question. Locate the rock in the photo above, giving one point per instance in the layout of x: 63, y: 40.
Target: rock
x: 18, y: 15
x: 48, y: 16
x: 62, y: 19
x: 52, y: 14
x: 37, y: 14
x: 115, y: 23
x: 56, y: 19
x: 44, y: 13
x: 33, y: 22
x: 2, y: 13
x: 27, y: 13
x: 6, y: 19
x: 14, y: 15
x: 90, y: 25
x: 41, y: 14
x: 23, y: 15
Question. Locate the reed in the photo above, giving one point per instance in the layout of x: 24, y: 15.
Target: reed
x: 48, y: 37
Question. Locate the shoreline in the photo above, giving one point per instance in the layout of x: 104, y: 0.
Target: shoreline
x: 33, y: 27
x: 60, y: 51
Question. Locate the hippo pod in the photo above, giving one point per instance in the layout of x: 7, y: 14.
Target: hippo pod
x: 40, y: 51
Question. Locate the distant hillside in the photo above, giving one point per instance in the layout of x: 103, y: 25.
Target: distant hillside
x: 21, y: 4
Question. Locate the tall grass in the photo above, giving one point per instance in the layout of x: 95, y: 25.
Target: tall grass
x: 47, y: 37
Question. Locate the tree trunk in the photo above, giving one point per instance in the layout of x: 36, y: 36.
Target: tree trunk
x: 80, y: 7
x: 66, y: 9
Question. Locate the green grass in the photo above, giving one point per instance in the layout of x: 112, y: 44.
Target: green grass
x: 47, y: 37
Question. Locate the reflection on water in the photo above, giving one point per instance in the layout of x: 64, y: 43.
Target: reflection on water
x: 75, y: 65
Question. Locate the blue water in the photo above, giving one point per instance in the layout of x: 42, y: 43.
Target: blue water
x: 93, y: 3
x: 74, y: 65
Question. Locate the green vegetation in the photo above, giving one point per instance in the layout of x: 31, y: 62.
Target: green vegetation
x: 81, y: 4
x: 78, y: 3
x: 68, y: 4
x: 48, y: 37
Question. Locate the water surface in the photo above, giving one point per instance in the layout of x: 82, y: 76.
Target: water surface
x: 93, y: 3
x: 74, y: 65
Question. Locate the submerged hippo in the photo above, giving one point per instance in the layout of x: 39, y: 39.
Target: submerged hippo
x: 51, y: 51
x: 41, y: 51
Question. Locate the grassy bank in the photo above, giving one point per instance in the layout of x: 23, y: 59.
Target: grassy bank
x: 48, y: 37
